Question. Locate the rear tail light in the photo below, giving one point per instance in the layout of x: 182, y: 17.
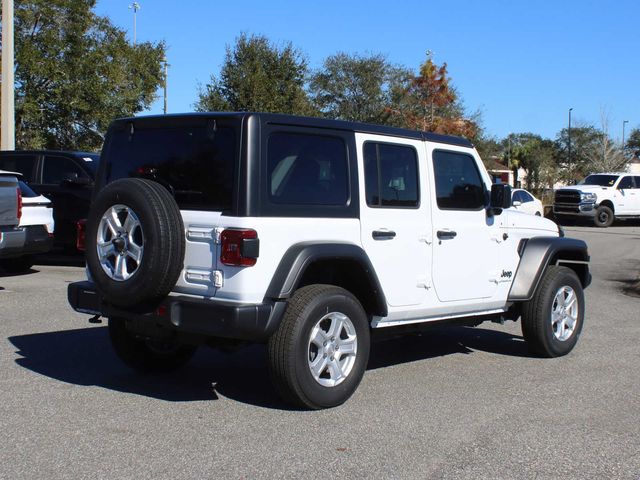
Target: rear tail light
x: 81, y: 230
x: 240, y: 247
x: 19, y: 194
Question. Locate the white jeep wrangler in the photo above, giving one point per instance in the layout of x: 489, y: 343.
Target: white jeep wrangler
x: 306, y: 234
x: 600, y: 197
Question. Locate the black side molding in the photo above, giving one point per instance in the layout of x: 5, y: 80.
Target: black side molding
x: 299, y: 257
x: 537, y: 255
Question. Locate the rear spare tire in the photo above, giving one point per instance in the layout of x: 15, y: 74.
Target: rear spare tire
x: 134, y: 242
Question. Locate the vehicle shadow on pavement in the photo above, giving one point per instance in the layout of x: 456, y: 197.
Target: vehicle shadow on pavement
x: 440, y: 341
x: 85, y: 357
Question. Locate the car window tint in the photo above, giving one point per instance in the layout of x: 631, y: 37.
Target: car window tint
x: 626, y: 182
x: 306, y: 169
x: 458, y: 182
x: 637, y: 180
x: 517, y: 196
x: 23, y: 164
x: 56, y: 169
x: 391, y: 175
x: 526, y: 197
x: 195, y: 163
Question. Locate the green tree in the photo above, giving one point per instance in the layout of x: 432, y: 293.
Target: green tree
x: 258, y: 76
x: 584, y: 141
x: 356, y: 88
x: 632, y: 145
x: 75, y: 72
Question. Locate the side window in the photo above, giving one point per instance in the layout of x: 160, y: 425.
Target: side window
x: 458, y: 182
x: 23, y: 164
x: 526, y: 197
x: 625, y: 183
x: 391, y: 175
x: 306, y: 169
x: 517, y: 196
x: 57, y: 169
x: 637, y: 180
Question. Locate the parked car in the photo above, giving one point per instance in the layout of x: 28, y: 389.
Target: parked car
x: 11, y: 235
x: 306, y: 234
x: 601, y: 198
x: 65, y: 178
x: 524, y: 201
x: 36, y: 227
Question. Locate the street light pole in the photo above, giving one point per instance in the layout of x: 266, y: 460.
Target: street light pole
x: 569, y: 141
x: 135, y: 6
x: 624, y: 122
x: 166, y: 73
x: 8, y: 129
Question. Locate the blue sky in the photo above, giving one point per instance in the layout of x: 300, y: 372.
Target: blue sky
x: 523, y: 64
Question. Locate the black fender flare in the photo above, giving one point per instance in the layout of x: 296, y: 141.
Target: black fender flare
x: 300, y: 256
x: 536, y: 256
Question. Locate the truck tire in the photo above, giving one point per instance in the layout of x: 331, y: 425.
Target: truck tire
x: 147, y: 355
x: 604, y: 217
x: 319, y: 353
x: 134, y: 242
x: 552, y: 320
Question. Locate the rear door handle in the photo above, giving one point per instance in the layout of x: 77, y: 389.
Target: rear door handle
x: 383, y: 235
x: 444, y: 234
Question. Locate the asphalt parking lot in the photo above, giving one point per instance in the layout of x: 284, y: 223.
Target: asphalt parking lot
x: 452, y: 403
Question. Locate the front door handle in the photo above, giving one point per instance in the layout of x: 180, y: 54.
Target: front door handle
x: 444, y: 234
x: 383, y: 235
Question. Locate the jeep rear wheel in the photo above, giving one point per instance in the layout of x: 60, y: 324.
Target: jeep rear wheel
x: 552, y: 320
x: 604, y: 217
x: 319, y: 353
x: 145, y: 354
x: 135, y: 242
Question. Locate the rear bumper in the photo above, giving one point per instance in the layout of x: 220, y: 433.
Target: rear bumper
x: 208, y: 318
x: 12, y: 242
x: 37, y: 240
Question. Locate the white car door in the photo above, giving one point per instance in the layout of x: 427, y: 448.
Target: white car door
x: 466, y: 239
x: 394, y: 215
x: 625, y: 195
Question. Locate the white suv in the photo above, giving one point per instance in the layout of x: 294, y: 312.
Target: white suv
x: 601, y: 197
x: 306, y: 234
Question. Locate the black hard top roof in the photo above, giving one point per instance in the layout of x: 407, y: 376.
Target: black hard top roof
x: 293, y: 120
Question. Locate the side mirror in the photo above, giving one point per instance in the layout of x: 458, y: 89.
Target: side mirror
x: 500, y: 198
x: 516, y: 203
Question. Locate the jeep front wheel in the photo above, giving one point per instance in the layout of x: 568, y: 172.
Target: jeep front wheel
x: 604, y: 217
x: 552, y: 320
x: 319, y: 353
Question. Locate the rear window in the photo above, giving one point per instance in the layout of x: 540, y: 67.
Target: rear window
x: 23, y: 164
x: 196, y: 163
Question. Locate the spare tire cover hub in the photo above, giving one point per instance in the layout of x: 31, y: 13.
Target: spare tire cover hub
x: 120, y: 242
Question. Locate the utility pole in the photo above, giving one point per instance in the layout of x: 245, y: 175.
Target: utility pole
x: 166, y: 73
x: 569, y: 141
x: 135, y: 6
x: 8, y: 129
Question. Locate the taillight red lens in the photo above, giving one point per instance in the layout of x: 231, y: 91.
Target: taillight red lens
x: 81, y: 230
x: 239, y: 247
x: 19, y: 194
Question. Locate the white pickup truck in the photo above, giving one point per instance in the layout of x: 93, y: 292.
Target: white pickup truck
x: 11, y: 236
